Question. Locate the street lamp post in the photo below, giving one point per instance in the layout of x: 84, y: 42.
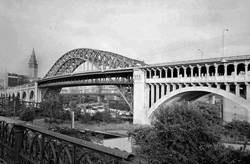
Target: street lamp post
x: 201, y: 53
x: 222, y: 46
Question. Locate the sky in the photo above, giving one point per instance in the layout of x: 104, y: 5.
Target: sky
x: 154, y: 31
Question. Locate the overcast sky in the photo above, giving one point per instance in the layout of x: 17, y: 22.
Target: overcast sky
x: 155, y: 31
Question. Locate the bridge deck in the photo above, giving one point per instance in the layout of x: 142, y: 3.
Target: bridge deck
x: 199, y: 61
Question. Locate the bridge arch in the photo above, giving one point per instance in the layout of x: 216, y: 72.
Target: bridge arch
x: 197, y: 91
x: 72, y: 59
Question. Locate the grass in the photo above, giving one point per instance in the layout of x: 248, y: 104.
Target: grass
x: 120, y: 128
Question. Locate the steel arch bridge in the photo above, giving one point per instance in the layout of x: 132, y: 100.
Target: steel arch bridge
x: 100, y: 59
x: 107, y: 69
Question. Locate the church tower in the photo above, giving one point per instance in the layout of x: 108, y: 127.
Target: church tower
x: 33, y: 66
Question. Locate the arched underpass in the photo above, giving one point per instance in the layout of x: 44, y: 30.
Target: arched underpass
x: 194, y: 93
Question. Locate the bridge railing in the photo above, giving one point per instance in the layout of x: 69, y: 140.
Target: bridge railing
x: 21, y: 143
x: 229, y: 78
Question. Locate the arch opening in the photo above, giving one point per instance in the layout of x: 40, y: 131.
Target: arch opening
x: 175, y: 72
x: 18, y: 95
x: 169, y: 73
x: 203, y: 71
x: 241, y: 69
x: 230, y: 69
x: 192, y: 93
x: 221, y: 70
x: 195, y: 72
x: 211, y: 70
x: 32, y: 96
x: 188, y: 72
x: 181, y: 74
x: 24, y: 96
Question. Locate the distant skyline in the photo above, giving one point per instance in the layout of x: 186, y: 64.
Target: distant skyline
x: 154, y: 31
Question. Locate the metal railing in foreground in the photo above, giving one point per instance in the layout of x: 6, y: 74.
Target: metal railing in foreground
x: 26, y: 144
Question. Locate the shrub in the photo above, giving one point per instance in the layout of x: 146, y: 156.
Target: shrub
x: 184, y: 133
x: 240, y: 128
x: 78, y: 115
x: 38, y: 112
x: 87, y: 136
x: 211, y: 113
x: 106, y: 116
x: 3, y: 112
x: 98, y: 116
x: 52, y: 108
x: 28, y: 115
x: 65, y: 115
x: 116, y: 120
x: 86, y: 118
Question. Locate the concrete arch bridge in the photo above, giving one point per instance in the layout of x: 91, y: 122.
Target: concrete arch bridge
x: 189, y: 80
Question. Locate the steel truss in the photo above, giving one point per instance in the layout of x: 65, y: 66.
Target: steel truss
x: 101, y: 59
x: 126, y: 92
